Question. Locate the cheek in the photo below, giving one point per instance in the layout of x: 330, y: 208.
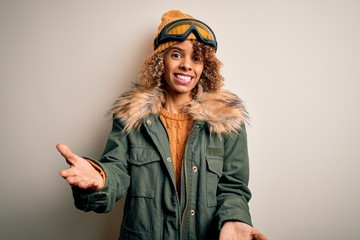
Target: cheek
x: 168, y: 66
x: 166, y: 73
x: 199, y: 71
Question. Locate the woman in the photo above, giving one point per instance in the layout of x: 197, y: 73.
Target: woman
x: 177, y: 148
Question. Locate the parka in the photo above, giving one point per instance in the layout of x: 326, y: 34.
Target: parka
x: 137, y: 162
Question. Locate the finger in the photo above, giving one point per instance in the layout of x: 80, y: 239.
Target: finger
x: 261, y: 236
x: 88, y: 184
x: 77, y: 180
x: 68, y: 172
x: 74, y: 180
x: 257, y: 235
x: 65, y: 151
x: 96, y: 185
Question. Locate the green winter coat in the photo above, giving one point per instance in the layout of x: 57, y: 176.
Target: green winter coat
x: 137, y: 161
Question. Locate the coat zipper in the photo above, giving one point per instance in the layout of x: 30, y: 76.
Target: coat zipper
x: 186, y: 196
x: 186, y: 185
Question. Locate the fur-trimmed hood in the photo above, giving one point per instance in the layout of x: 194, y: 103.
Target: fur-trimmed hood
x: 223, y: 111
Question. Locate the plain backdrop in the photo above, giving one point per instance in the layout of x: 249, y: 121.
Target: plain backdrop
x: 296, y: 65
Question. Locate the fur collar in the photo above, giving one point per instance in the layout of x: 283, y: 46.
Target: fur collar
x: 223, y: 111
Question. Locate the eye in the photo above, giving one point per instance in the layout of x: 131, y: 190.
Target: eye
x: 175, y: 55
x: 197, y: 59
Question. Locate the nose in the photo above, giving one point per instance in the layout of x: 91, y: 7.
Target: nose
x: 186, y: 63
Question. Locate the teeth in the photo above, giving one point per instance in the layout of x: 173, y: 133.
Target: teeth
x: 183, y: 77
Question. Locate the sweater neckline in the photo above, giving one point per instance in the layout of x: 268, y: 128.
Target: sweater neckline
x: 174, y: 116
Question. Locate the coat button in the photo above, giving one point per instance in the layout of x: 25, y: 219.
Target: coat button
x: 168, y: 159
x: 194, y: 169
x: 192, y: 212
x: 149, y: 122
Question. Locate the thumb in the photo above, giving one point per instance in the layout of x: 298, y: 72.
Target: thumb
x: 258, y: 235
x: 65, y: 151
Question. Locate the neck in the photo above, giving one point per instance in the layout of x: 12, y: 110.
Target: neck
x: 175, y: 103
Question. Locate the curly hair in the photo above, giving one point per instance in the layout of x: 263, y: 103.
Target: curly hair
x: 211, y: 80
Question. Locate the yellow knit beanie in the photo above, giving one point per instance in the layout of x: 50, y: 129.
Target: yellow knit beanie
x: 167, y: 18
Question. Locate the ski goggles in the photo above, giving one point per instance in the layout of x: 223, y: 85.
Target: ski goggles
x: 179, y: 30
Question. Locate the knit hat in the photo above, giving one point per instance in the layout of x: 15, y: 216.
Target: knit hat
x: 167, y: 18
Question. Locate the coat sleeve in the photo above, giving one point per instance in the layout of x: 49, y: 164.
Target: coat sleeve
x: 114, y: 164
x: 233, y: 193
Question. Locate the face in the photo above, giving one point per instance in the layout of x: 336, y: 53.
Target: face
x: 182, y: 69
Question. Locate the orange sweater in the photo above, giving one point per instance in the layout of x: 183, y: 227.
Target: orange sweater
x: 178, y: 127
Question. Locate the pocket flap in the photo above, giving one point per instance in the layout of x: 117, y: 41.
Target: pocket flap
x: 215, y: 165
x: 141, y: 156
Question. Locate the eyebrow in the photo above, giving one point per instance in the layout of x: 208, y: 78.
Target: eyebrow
x: 176, y: 48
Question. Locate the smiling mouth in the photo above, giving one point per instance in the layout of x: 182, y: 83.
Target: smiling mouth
x: 183, y: 78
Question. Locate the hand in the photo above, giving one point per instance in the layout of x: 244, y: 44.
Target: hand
x: 240, y: 231
x: 81, y: 173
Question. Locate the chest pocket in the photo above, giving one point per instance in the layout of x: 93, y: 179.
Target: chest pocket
x: 145, y: 164
x: 214, y: 163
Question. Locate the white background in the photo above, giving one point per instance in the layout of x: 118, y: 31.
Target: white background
x: 296, y: 64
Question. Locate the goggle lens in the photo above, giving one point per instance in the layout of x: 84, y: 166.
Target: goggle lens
x: 179, y: 30
x: 183, y: 26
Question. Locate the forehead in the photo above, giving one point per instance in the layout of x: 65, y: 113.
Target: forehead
x: 185, y: 46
